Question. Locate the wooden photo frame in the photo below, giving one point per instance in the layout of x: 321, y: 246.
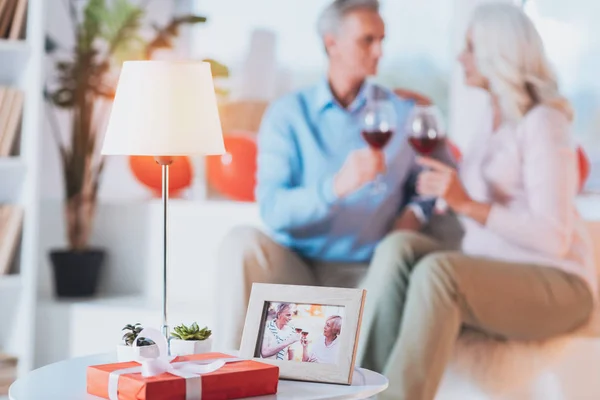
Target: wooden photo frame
x: 292, y: 327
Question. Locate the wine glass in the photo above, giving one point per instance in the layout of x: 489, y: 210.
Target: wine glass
x: 378, y: 125
x: 425, y: 129
x: 426, y: 132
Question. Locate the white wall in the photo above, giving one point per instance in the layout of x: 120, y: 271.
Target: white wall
x: 416, y: 50
x: 571, y: 34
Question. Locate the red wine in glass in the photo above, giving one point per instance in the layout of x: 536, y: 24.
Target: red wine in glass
x: 378, y: 123
x: 425, y: 130
x: 298, y: 330
x: 377, y: 139
x: 425, y: 145
x: 425, y: 134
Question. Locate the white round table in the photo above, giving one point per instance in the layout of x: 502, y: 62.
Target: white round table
x: 66, y: 380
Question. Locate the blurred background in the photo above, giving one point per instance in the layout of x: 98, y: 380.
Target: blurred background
x: 259, y: 50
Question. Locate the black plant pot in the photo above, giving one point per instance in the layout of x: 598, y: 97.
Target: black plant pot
x: 76, y: 273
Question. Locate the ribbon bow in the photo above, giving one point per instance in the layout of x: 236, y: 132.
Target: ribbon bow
x: 191, y: 371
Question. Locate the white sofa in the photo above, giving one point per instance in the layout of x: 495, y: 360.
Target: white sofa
x: 565, y: 368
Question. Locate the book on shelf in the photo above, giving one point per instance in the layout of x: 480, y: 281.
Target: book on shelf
x: 13, y: 19
x: 11, y: 224
x: 11, y: 110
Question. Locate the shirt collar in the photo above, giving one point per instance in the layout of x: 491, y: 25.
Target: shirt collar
x: 324, y: 97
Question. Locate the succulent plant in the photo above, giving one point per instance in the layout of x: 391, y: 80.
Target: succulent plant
x: 132, y: 332
x: 193, y: 332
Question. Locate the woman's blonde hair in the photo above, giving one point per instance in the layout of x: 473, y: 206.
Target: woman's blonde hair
x: 510, y: 53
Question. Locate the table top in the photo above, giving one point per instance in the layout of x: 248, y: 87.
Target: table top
x: 66, y: 380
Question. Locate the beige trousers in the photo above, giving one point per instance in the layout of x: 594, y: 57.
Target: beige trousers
x: 246, y: 256
x: 419, y: 299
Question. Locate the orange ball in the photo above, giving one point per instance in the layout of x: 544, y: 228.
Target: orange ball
x: 233, y: 174
x: 149, y: 173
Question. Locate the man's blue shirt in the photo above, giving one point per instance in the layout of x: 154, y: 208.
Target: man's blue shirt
x: 304, y: 139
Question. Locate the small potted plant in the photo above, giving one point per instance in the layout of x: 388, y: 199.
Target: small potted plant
x: 190, y: 340
x: 145, y: 347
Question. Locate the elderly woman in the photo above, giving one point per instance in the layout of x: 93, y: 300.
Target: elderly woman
x: 325, y: 350
x: 526, y: 268
x: 279, y: 336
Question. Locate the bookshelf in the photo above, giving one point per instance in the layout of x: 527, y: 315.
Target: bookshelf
x: 21, y: 70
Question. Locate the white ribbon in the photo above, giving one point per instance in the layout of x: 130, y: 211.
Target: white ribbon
x: 191, y: 371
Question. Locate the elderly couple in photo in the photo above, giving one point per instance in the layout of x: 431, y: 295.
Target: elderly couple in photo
x: 279, y: 336
x: 508, y: 256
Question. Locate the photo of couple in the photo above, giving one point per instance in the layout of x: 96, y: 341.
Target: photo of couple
x: 301, y: 333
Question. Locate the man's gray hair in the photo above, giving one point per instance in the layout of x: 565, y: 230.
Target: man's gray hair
x: 331, y: 18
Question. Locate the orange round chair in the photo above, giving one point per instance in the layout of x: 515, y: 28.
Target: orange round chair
x: 584, y: 167
x: 149, y: 174
x: 233, y: 174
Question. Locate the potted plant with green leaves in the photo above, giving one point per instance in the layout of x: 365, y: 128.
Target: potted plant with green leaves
x: 186, y: 340
x: 145, y: 347
x: 82, y: 88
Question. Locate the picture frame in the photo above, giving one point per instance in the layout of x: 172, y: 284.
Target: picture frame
x: 311, y: 333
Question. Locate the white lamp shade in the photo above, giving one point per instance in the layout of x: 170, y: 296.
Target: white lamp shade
x: 164, y: 108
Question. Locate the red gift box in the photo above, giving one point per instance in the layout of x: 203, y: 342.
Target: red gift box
x: 232, y: 381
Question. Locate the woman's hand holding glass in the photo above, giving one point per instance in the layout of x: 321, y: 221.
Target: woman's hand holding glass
x: 442, y: 181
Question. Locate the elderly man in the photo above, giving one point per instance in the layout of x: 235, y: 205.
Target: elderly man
x: 279, y: 336
x: 315, y: 175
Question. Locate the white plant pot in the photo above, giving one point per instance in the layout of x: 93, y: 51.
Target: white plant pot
x: 187, y: 347
x: 128, y: 353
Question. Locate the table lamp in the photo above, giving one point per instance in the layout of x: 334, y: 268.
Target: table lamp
x: 164, y: 109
